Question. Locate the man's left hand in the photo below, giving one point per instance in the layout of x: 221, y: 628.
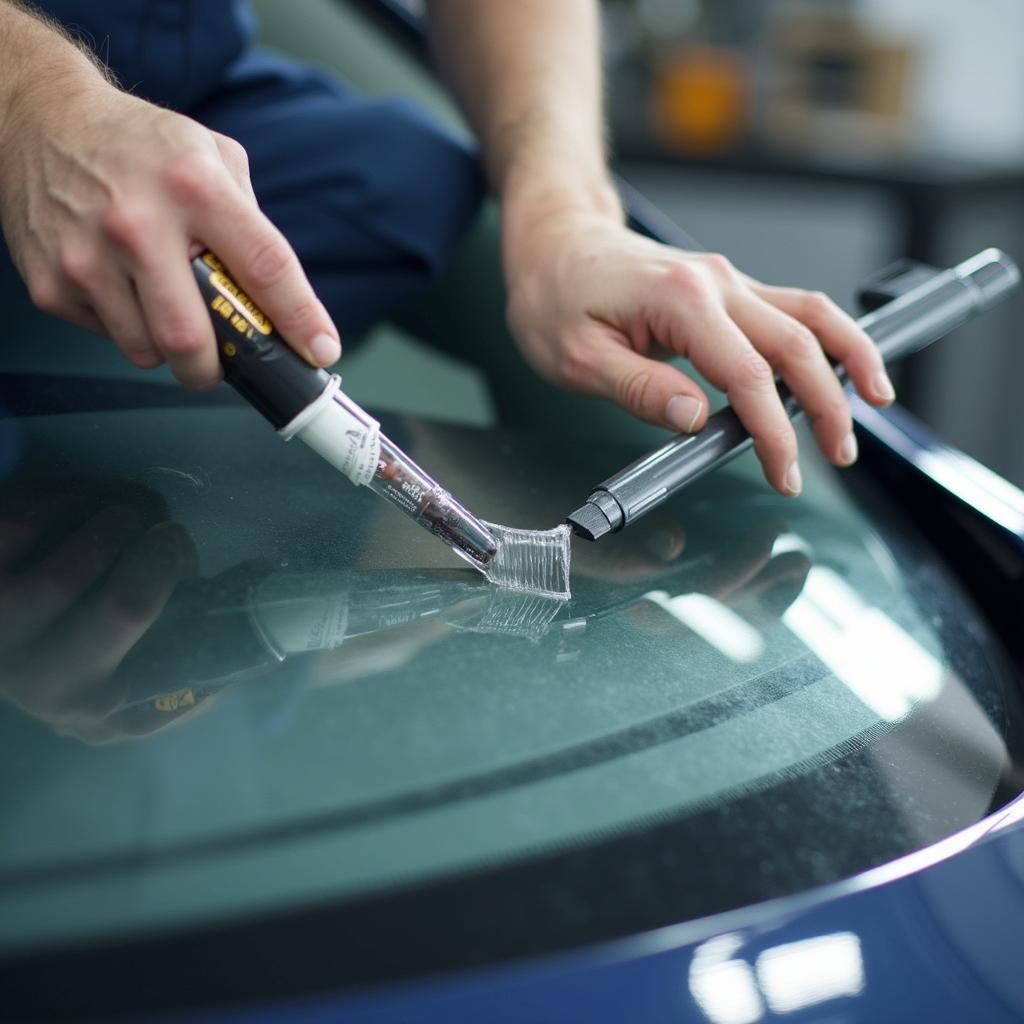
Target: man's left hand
x: 597, y: 308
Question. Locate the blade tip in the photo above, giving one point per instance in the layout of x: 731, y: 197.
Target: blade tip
x: 589, y: 522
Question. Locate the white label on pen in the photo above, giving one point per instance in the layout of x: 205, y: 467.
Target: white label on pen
x: 349, y: 442
x: 356, y: 445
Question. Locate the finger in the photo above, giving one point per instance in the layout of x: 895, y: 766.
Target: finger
x: 724, y: 354
x: 769, y: 594
x: 798, y: 357
x: 82, y: 314
x: 115, y: 304
x: 651, y: 390
x: 175, y: 315
x: 741, y: 561
x: 134, y: 594
x: 648, y: 552
x: 839, y: 336
x: 32, y: 600
x: 95, y: 640
x: 97, y: 292
x: 264, y: 264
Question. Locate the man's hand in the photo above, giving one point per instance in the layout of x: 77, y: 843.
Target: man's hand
x: 593, y: 305
x: 596, y: 307
x: 84, y: 573
x: 104, y: 198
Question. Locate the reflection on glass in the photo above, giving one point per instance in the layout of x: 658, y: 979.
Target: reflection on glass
x: 723, y: 985
x: 787, y: 978
x: 719, y: 625
x: 801, y: 974
x: 254, y: 620
x: 877, y: 659
x: 354, y: 624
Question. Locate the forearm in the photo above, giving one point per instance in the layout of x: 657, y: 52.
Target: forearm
x: 36, y: 58
x: 528, y: 74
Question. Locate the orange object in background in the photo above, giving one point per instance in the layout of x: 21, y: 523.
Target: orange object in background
x: 700, y: 100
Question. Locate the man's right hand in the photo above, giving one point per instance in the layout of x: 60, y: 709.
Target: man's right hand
x: 105, y: 198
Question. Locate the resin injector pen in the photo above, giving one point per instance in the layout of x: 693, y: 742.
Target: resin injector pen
x: 305, y: 402
x: 925, y: 305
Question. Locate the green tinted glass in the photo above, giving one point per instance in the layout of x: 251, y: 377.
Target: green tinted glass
x: 297, y: 695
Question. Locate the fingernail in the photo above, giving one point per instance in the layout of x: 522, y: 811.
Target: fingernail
x: 848, y: 450
x: 883, y: 387
x: 325, y: 350
x: 682, y: 412
x: 794, y: 481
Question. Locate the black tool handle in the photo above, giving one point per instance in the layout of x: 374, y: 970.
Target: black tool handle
x: 930, y: 306
x: 258, y: 363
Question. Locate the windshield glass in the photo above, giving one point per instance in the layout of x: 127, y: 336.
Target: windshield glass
x: 236, y: 684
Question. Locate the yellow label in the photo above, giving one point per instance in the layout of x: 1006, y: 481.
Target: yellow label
x: 247, y: 314
x: 244, y: 306
x: 174, y: 701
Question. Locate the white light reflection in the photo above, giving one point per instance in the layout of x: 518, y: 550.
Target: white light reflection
x: 714, y: 622
x: 877, y: 659
x: 723, y: 987
x: 788, y: 978
x: 975, y: 484
x: 791, y: 542
x: 800, y: 974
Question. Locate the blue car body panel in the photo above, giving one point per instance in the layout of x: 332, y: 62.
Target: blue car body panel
x: 942, y: 944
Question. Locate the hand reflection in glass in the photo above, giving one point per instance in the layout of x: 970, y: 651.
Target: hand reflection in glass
x: 732, y: 532
x: 742, y: 571
x: 86, y: 567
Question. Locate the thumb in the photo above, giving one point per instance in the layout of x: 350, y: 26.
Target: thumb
x: 651, y: 390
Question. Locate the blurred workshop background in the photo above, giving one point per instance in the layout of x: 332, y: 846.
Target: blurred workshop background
x: 812, y: 142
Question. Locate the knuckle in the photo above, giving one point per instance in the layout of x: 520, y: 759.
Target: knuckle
x: 127, y: 224
x: 800, y: 342
x: 573, y: 369
x: 78, y: 267
x: 269, y: 264
x: 235, y: 151
x: 719, y: 265
x: 777, y: 440
x: 817, y: 306
x: 634, y: 390
x: 193, y: 176
x: 306, y: 311
x: 181, y: 340
x: 753, y: 371
x: 686, y: 280
x: 45, y: 294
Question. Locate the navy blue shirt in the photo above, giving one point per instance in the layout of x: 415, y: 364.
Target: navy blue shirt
x: 370, y: 191
x: 172, y: 52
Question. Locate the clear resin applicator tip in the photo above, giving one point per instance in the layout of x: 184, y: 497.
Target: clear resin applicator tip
x: 532, y: 561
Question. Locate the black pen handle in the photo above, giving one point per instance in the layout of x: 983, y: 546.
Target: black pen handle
x: 258, y: 363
